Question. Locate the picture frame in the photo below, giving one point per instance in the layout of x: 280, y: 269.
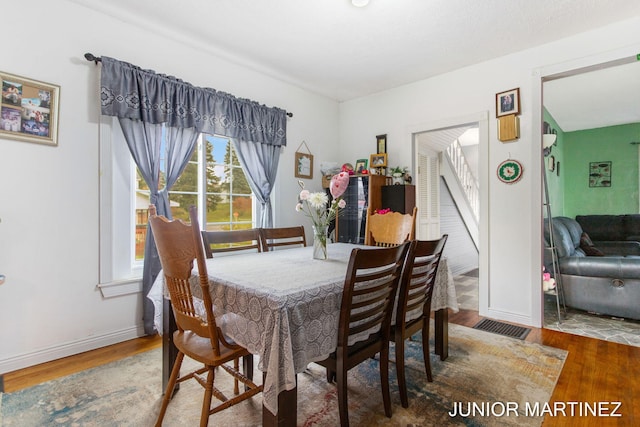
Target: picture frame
x: 600, y: 174
x: 304, y: 165
x: 29, y: 110
x: 378, y: 160
x: 381, y: 143
x: 361, y: 165
x: 508, y: 102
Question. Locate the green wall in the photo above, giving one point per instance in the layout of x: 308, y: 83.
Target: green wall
x: 596, y: 145
x: 555, y: 178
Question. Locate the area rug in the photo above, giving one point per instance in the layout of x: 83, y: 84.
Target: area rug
x: 487, y: 380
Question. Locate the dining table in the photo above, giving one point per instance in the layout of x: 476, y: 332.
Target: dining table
x: 284, y: 306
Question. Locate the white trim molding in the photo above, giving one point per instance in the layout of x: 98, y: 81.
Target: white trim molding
x: 70, y: 348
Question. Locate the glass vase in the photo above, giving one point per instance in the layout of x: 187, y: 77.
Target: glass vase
x: 320, y: 241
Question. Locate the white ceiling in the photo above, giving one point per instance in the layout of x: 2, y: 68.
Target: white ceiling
x: 335, y: 49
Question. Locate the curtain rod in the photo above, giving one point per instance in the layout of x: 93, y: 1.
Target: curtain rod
x: 91, y: 57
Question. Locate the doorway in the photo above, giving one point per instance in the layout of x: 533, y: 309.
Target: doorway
x: 588, y: 98
x: 441, y: 208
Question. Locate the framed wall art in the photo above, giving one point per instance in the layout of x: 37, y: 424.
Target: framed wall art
x: 378, y: 160
x: 508, y: 102
x: 600, y: 174
x: 361, y: 165
x: 303, y: 162
x: 29, y: 110
x: 381, y: 144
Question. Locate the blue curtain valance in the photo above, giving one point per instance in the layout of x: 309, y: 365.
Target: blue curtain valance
x: 127, y: 91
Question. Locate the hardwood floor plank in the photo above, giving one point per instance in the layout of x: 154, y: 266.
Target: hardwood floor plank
x: 37, y: 374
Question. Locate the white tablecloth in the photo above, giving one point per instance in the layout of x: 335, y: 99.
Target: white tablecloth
x: 285, y: 307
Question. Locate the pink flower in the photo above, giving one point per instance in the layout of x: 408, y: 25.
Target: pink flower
x: 298, y: 207
x: 304, y: 194
x: 342, y: 203
x: 382, y: 211
x: 339, y: 184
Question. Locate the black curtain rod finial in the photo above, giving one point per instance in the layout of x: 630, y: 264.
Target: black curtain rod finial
x: 91, y: 57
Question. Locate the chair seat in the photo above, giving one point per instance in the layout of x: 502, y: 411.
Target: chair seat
x: 367, y: 348
x: 199, y: 348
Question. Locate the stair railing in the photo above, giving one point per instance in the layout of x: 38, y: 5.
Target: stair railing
x: 466, y: 180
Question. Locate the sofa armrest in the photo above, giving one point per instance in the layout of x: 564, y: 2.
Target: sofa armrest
x: 621, y: 247
x: 610, y: 267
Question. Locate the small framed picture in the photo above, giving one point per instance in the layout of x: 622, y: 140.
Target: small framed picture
x: 378, y: 160
x: 29, y: 110
x: 304, y: 165
x: 361, y: 165
x: 381, y: 144
x: 508, y: 102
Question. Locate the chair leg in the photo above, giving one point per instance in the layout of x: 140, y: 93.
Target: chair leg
x: 425, y: 349
x: 384, y: 379
x: 341, y: 384
x: 236, y: 366
x: 168, y: 393
x: 208, y: 394
x: 402, y: 382
x: 247, y: 362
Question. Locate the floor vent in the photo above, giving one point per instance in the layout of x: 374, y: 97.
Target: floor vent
x: 501, y: 328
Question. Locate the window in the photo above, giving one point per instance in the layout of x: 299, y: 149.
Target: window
x: 214, y: 181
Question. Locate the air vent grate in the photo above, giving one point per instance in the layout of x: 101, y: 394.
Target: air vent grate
x: 502, y: 328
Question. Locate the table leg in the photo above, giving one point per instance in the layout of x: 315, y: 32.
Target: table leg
x: 442, y: 333
x: 287, y: 410
x: 169, y: 350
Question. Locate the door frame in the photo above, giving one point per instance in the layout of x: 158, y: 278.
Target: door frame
x: 481, y: 119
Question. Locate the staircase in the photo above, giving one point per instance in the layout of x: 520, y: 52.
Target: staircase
x: 463, y: 187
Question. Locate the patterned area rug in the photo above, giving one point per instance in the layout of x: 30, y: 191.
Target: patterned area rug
x: 483, y: 368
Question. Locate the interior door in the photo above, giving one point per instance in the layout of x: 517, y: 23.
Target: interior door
x: 428, y: 190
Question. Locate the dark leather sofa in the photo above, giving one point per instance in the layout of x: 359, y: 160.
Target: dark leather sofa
x: 607, y: 284
x: 611, y: 227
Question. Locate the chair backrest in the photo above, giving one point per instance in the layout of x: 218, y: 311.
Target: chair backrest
x: 283, y: 236
x: 389, y: 229
x: 178, y: 245
x: 418, y: 278
x: 231, y: 241
x: 369, y: 292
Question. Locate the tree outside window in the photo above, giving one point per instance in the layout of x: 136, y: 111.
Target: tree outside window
x: 213, y: 176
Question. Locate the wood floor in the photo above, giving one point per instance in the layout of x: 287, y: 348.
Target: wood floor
x: 595, y: 371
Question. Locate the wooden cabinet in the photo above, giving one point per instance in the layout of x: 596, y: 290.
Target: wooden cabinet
x: 363, y: 191
x: 399, y: 198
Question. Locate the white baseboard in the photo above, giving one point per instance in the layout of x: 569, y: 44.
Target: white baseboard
x: 69, y: 349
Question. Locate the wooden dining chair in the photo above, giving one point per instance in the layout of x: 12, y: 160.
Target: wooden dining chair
x: 389, y: 229
x: 272, y: 238
x: 413, y: 310
x: 198, y: 335
x: 231, y: 241
x: 369, y: 293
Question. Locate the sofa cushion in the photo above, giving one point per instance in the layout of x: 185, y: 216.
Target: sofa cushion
x: 587, y: 246
x: 603, y: 227
x: 563, y: 239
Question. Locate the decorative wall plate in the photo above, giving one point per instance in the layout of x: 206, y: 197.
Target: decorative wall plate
x: 509, y: 171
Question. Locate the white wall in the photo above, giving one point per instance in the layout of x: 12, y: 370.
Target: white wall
x: 510, y: 227
x: 49, y: 305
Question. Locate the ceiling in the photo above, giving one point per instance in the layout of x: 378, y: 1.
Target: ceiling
x: 343, y: 52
